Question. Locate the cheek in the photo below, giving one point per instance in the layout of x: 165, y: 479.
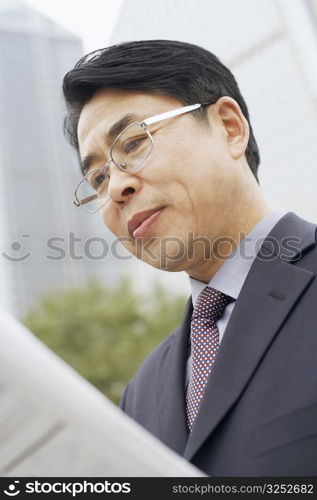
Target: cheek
x: 113, y: 221
x: 118, y: 228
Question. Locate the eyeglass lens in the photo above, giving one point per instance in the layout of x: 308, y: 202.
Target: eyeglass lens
x: 128, y: 152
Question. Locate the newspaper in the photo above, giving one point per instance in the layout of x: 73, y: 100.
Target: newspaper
x: 55, y: 423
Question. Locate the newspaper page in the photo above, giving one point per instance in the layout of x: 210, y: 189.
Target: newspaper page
x: 55, y: 423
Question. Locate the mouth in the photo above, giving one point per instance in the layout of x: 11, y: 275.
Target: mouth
x: 141, y: 222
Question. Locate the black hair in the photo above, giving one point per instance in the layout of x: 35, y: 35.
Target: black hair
x: 177, y: 69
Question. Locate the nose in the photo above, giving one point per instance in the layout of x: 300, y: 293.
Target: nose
x: 122, y: 184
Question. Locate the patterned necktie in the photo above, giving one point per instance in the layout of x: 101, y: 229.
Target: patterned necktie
x: 208, y: 310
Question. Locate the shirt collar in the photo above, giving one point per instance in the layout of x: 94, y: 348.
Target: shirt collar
x: 231, y: 275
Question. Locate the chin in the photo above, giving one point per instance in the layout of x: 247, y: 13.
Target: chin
x: 166, y: 264
x: 167, y: 254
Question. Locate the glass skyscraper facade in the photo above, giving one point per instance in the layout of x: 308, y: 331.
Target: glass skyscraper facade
x: 46, y: 242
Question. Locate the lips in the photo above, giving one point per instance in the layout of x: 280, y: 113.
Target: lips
x: 139, y: 219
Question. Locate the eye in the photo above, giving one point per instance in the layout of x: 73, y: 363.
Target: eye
x: 98, y: 180
x: 132, y: 145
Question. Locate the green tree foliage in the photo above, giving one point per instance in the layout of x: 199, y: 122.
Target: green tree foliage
x: 105, y: 333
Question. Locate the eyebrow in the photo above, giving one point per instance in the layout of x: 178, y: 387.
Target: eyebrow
x: 109, y: 137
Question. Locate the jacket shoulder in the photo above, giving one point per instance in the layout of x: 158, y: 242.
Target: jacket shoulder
x: 144, y: 378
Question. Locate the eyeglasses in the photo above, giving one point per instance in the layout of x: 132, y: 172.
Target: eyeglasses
x: 129, y: 151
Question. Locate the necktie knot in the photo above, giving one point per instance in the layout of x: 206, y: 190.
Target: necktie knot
x: 211, y: 304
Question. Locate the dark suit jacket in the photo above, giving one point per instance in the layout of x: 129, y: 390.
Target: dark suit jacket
x: 258, y: 416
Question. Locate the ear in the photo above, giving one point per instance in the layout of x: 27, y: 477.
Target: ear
x: 228, y: 114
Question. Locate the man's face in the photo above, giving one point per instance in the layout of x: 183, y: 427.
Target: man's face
x: 189, y: 178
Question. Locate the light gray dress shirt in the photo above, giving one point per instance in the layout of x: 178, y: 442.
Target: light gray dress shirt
x: 231, y: 275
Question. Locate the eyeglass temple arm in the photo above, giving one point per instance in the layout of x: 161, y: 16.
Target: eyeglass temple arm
x: 171, y: 114
x: 84, y: 200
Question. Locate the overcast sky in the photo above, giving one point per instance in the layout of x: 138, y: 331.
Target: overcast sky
x: 92, y: 20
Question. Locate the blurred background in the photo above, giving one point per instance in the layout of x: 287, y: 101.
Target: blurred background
x: 61, y: 272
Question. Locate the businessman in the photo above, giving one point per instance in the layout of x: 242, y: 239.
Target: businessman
x: 169, y: 160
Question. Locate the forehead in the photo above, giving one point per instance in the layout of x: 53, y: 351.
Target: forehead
x: 107, y: 106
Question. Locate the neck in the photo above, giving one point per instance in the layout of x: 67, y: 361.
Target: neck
x: 241, y: 223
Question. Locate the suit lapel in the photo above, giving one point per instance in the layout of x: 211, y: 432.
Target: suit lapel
x: 271, y: 289
x: 171, y: 388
